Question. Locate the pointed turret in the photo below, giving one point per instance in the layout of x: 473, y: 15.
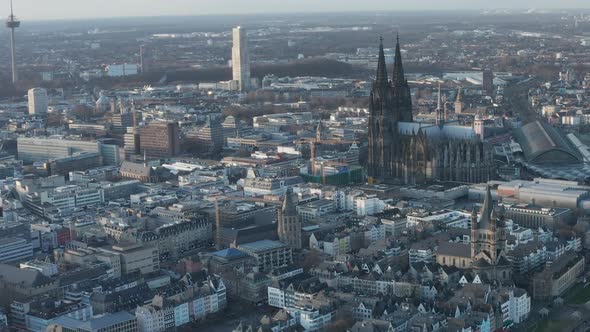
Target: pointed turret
x: 440, y: 116
x: 474, y: 218
x: 398, y: 77
x: 381, y: 78
x: 319, y: 132
x: 493, y: 218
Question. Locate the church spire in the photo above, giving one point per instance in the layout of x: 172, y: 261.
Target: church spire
x: 398, y: 69
x: 381, y: 79
x: 319, y: 131
x: 440, y: 116
x: 486, y: 209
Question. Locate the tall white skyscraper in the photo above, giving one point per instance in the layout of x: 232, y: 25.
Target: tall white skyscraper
x: 38, y: 101
x: 240, y: 59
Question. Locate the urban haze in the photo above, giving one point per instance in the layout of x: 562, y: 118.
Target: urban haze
x: 264, y: 165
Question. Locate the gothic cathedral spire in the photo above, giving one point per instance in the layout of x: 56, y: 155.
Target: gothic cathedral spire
x: 381, y: 79
x: 440, y: 114
x: 402, y: 96
x: 398, y: 77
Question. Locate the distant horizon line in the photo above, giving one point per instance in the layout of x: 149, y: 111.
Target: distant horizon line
x: 482, y: 11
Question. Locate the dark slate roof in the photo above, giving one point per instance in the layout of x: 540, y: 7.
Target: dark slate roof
x: 481, y: 263
x: 454, y: 249
x: 542, y: 143
x: 24, y: 277
x: 229, y: 253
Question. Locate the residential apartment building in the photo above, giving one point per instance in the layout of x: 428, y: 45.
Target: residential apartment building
x: 515, y: 304
x: 367, y: 205
x: 290, y: 291
x: 421, y: 252
x: 310, y: 319
x: 39, y: 317
x: 195, y: 303
x: 558, y: 276
x: 270, y: 254
x: 174, y: 239
x: 315, y: 209
x: 261, y: 186
x: 526, y: 258
x: 144, y: 259
x: 331, y: 244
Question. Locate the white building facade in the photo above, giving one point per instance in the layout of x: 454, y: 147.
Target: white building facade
x: 38, y: 101
x: 240, y: 59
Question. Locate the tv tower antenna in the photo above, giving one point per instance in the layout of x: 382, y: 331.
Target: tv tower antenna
x: 12, y: 23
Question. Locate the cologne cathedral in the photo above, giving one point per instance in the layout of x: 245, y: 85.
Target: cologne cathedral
x: 407, y: 152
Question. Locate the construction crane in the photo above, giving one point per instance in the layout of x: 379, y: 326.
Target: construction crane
x: 216, y: 199
x: 314, y: 142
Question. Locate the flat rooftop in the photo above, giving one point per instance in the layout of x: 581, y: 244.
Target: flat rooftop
x: 262, y: 245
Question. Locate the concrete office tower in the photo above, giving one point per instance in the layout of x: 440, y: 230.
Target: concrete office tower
x: 240, y: 59
x: 159, y: 140
x: 211, y: 134
x: 38, y: 101
x: 12, y: 23
x: 289, y: 224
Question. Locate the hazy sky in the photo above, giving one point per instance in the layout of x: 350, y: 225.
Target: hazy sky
x: 56, y: 9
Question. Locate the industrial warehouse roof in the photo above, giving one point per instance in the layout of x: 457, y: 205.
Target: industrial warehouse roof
x: 543, y: 144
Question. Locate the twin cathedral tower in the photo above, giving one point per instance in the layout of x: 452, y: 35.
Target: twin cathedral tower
x: 407, y: 152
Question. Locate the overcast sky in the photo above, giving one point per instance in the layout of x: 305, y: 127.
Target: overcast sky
x: 57, y: 9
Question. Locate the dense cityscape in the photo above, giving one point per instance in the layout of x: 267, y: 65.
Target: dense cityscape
x: 357, y: 171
